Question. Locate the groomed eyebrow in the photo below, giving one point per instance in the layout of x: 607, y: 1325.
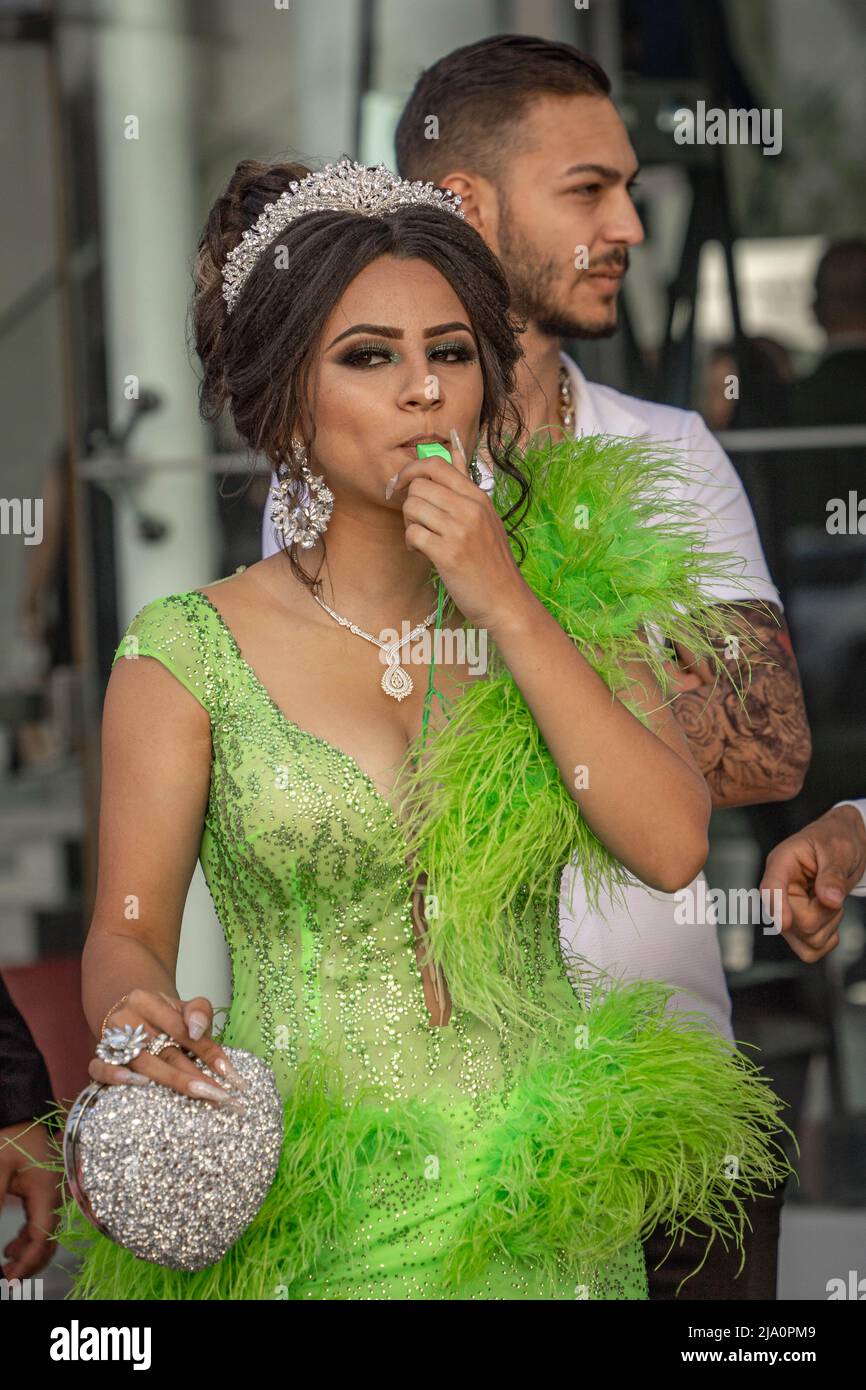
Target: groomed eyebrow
x: 603, y: 171
x: 384, y: 332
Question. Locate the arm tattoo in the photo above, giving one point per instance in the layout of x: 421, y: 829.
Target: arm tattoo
x: 756, y: 749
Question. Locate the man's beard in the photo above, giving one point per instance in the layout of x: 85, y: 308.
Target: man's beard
x: 533, y: 283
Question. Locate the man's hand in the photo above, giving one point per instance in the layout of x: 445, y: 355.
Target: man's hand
x: 816, y: 870
x: 21, y: 1146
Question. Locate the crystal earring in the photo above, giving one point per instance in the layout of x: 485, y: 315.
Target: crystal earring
x: 302, y: 503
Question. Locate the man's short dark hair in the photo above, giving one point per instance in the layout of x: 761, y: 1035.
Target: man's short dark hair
x: 479, y: 95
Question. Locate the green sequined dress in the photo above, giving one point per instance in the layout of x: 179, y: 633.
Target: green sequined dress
x: 305, y: 861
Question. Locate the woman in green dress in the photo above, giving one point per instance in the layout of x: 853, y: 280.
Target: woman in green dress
x: 466, y: 1115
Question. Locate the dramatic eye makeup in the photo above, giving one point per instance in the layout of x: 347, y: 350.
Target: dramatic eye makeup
x: 463, y: 351
x: 364, y: 353
x: 453, y: 352
x: 359, y: 354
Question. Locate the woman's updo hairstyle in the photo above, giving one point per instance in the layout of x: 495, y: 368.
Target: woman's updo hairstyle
x: 257, y: 359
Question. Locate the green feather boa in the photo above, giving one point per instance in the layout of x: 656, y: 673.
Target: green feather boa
x: 609, y: 551
x: 637, y: 1119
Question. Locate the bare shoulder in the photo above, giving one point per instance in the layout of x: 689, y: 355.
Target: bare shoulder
x: 234, y: 586
x: 267, y: 590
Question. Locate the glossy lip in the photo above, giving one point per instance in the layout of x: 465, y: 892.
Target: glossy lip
x: 423, y: 439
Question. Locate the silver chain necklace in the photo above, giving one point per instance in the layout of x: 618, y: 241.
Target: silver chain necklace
x: 396, y: 681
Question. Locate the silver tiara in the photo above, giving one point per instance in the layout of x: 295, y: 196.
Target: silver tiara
x: 343, y: 187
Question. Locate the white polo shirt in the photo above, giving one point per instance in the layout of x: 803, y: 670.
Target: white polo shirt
x: 642, y: 940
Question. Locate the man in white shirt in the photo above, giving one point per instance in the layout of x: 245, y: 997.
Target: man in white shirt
x: 527, y: 135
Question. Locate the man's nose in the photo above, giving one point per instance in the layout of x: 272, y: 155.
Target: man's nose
x: 625, y: 225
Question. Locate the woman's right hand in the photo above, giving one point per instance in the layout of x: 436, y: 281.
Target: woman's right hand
x: 161, y: 1014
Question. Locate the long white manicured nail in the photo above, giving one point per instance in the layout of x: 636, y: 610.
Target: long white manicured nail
x: 225, y: 1068
x: 457, y: 443
x: 206, y: 1091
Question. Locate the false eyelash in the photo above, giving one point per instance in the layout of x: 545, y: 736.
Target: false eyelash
x: 363, y: 349
x: 360, y: 350
x: 467, y: 354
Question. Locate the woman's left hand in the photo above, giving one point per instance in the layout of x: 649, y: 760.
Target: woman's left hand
x: 453, y: 522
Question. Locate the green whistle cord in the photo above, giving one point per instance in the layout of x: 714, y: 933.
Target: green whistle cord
x: 431, y: 689
x: 428, y: 451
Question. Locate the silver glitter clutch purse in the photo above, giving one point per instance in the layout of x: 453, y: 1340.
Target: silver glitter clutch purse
x: 174, y: 1179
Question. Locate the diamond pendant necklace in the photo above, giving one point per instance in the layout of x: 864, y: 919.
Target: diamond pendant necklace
x: 396, y: 681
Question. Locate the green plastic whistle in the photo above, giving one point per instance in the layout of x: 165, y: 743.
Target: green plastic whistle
x: 426, y: 451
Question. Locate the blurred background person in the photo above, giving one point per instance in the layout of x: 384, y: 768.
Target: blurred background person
x: 24, y: 1093
x: 833, y: 393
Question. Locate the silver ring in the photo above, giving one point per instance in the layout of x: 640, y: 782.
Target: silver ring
x: 117, y: 1046
x: 160, y: 1043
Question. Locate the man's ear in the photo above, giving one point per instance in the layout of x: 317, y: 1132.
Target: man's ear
x: 480, y: 205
